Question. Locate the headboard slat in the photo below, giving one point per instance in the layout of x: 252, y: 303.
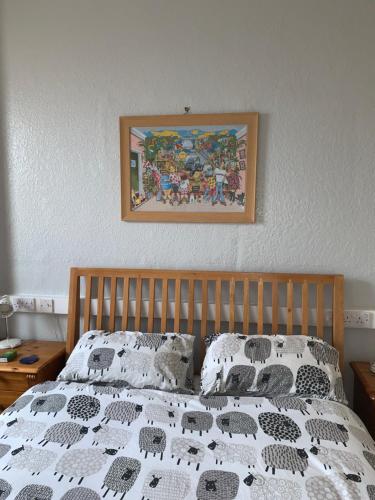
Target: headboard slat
x: 177, y: 302
x: 112, y: 310
x: 320, y: 310
x: 305, y: 308
x: 125, y: 304
x: 260, y: 306
x: 191, y: 306
x: 164, y: 306
x: 87, y: 307
x: 289, y: 323
x: 99, y: 314
x: 151, y: 304
x: 275, y: 306
x: 246, y: 307
x: 217, y: 306
x: 138, y: 303
x: 232, y: 290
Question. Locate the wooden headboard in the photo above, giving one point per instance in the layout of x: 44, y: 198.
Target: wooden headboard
x: 205, y: 301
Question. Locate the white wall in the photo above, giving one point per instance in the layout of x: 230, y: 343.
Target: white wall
x: 70, y: 68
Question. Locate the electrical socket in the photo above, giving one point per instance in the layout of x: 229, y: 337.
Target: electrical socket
x: 44, y: 305
x: 359, y: 319
x: 23, y: 304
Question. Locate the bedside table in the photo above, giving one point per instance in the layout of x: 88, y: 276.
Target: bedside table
x: 364, y: 394
x: 16, y: 378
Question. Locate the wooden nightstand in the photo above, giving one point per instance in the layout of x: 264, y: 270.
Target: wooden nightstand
x: 16, y: 378
x: 364, y: 394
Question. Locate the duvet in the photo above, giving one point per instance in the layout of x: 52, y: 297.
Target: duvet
x: 75, y: 441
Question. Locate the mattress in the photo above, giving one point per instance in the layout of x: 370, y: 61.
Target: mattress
x: 84, y: 442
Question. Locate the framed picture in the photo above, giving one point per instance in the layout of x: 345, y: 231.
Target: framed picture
x: 189, y: 168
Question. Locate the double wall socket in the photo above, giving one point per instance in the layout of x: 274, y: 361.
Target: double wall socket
x: 359, y: 319
x: 34, y: 305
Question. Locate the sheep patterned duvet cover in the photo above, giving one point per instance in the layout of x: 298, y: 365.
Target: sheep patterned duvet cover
x: 75, y: 441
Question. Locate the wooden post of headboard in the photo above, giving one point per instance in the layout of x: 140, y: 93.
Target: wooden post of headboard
x: 74, y: 310
x: 338, y: 317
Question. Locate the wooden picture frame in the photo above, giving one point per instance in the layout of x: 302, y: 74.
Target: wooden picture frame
x: 186, y: 168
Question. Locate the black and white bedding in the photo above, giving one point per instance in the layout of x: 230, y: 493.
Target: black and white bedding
x: 79, y: 441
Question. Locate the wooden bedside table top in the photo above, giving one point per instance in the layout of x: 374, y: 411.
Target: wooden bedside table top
x: 366, y: 377
x: 45, y: 349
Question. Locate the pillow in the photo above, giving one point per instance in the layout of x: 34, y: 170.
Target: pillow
x: 152, y: 360
x: 272, y: 366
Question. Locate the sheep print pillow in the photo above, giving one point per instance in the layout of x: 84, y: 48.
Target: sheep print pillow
x: 151, y: 360
x: 272, y: 366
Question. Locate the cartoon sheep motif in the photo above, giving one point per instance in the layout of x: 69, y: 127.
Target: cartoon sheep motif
x: 289, y: 345
x: 311, y: 381
x: 339, y: 390
x: 371, y: 491
x: 81, y: 463
x: 318, y: 487
x: 74, y: 366
x: 370, y: 457
x: 235, y: 422
x: 323, y: 407
x: 175, y: 399
x: 152, y: 440
x: 187, y: 450
x: 135, y: 362
x: 256, y: 401
x: 289, y: 403
x: 225, y: 347
x: 44, y: 387
x: 281, y: 456
x: 121, y: 476
x: 240, y: 378
x: 275, y: 380
x: 64, y: 433
x: 233, y: 453
x: 72, y: 386
x: 363, y: 437
x: 171, y: 366
x: 19, y: 404
x: 162, y: 414
x: 271, y: 488
x: 152, y: 341
x: 199, y: 421
x: 338, y: 460
x: 110, y: 437
x: 165, y: 485
x: 279, y: 426
x: 100, y: 359
x: 37, y: 491
x: 33, y: 460
x: 122, y: 411
x: 217, y: 484
x: 83, y: 407
x: 323, y: 353
x: 51, y: 403
x: 80, y: 493
x: 319, y: 428
x: 117, y: 338
x: 258, y: 349
x: 113, y: 390
x: 89, y: 339
x: 26, y: 429
x: 5, y: 489
x: 214, y: 402
x: 4, y: 448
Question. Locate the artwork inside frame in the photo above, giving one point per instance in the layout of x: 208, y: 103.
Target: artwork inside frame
x: 189, y: 168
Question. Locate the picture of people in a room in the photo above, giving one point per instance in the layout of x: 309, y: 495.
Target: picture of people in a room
x: 188, y: 169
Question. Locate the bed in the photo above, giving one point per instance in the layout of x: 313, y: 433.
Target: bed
x: 81, y: 439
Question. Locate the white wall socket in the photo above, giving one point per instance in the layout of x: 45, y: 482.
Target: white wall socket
x: 23, y: 304
x: 359, y: 319
x: 44, y: 305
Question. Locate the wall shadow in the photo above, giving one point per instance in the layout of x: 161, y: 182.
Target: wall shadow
x: 5, y: 250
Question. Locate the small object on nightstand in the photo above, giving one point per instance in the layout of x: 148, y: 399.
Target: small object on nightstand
x: 372, y: 367
x: 29, y: 360
x: 7, y: 356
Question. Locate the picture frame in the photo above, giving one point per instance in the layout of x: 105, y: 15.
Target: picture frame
x: 189, y: 168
